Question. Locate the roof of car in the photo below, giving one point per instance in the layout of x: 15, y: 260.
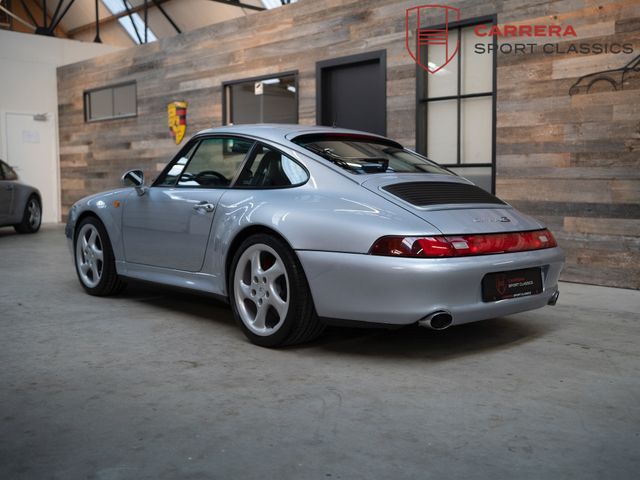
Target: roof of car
x: 278, y: 131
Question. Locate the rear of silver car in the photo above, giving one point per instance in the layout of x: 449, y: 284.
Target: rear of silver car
x: 393, y: 288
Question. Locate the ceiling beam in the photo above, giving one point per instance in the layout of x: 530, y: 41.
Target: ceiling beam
x: 110, y: 19
x: 237, y: 3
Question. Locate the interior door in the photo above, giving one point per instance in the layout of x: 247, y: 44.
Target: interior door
x: 31, y: 151
x: 352, y: 93
x: 169, y: 225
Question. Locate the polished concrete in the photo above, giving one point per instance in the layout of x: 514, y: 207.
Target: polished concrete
x: 155, y: 384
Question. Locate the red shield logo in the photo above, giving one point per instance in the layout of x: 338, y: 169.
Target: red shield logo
x: 426, y: 37
x: 501, y: 284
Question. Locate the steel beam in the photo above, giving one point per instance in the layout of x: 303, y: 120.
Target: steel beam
x: 110, y: 19
x: 166, y: 15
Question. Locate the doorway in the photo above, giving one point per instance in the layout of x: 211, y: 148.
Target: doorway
x: 351, y: 92
x: 30, y: 148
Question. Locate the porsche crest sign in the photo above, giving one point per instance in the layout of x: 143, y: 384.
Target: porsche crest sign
x: 177, y: 115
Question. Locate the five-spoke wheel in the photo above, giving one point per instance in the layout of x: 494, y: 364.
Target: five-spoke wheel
x: 269, y: 293
x: 95, y: 263
x: 31, y: 218
x: 89, y: 255
x: 262, y: 289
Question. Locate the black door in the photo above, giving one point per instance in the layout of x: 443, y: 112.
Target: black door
x: 351, y: 92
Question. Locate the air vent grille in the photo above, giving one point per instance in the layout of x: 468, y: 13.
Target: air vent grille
x: 423, y: 194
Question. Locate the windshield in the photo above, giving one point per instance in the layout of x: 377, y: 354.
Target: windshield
x: 363, y: 154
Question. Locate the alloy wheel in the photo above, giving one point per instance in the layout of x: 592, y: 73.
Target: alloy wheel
x: 261, y: 289
x: 34, y: 214
x: 89, y: 255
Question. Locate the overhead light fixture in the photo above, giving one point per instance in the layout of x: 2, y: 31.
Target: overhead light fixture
x: 271, y: 81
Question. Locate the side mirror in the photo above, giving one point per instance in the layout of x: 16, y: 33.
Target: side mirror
x: 134, y: 178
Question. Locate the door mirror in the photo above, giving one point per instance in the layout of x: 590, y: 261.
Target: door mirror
x: 133, y: 178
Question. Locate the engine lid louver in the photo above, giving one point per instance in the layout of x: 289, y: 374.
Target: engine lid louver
x: 423, y: 194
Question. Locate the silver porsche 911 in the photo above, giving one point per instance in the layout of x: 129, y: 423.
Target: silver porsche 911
x: 299, y: 227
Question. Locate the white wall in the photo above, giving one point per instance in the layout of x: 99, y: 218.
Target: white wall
x: 28, y: 85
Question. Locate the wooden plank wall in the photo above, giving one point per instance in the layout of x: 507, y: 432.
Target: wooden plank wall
x: 572, y: 161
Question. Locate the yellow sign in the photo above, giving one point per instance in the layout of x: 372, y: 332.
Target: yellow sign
x: 177, y: 113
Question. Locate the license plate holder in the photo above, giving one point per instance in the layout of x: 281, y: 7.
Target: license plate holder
x: 512, y: 284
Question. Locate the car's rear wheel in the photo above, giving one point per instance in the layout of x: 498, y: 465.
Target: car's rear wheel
x: 31, y: 218
x: 95, y: 263
x: 269, y: 294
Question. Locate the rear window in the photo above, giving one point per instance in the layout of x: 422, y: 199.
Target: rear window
x: 362, y: 154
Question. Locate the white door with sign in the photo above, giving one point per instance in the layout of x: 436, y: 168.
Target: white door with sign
x: 30, y: 148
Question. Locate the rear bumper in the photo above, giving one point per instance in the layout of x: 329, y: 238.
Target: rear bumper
x: 401, y: 291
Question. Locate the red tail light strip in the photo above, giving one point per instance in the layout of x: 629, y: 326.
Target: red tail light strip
x: 463, y: 245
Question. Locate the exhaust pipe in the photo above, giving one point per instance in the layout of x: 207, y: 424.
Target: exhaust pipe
x: 554, y: 298
x: 439, y: 320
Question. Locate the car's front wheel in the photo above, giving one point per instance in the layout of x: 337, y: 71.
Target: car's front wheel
x: 95, y: 263
x: 269, y: 294
x: 31, y: 217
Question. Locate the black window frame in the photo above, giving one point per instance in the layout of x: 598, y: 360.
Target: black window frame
x: 423, y: 99
x: 226, y: 100
x: 87, y: 103
x: 195, y: 141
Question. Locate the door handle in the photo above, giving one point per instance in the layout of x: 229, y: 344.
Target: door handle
x: 9, y: 187
x: 204, y: 206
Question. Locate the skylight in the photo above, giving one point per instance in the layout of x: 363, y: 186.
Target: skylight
x: 269, y: 4
x: 118, y: 6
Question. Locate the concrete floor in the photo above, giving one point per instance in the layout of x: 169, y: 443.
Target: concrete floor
x: 161, y: 385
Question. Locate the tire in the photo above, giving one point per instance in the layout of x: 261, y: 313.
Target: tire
x: 269, y: 294
x: 94, y: 260
x: 31, y: 217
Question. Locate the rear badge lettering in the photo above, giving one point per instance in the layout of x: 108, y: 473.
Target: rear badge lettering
x: 492, y: 220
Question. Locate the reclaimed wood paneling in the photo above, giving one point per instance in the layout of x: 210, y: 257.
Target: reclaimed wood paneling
x: 573, y: 161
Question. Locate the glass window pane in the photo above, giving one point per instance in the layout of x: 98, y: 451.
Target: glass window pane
x: 101, y: 104
x: 442, y: 130
x: 270, y: 168
x: 477, y: 68
x: 481, y: 176
x: 215, y: 162
x: 476, y: 125
x: 272, y: 100
x: 444, y: 82
x: 124, y: 100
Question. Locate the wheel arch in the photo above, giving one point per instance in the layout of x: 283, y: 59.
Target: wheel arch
x: 80, y: 219
x: 240, y: 237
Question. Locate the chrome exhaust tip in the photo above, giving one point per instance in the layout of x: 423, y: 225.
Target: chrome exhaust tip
x: 554, y: 298
x: 439, y: 320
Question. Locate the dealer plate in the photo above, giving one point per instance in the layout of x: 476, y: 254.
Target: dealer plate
x: 513, y: 284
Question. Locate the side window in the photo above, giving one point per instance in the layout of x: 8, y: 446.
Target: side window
x: 213, y: 162
x: 270, y: 168
x: 171, y: 177
x: 7, y: 173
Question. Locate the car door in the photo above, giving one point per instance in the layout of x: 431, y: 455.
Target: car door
x: 7, y: 192
x: 169, y: 225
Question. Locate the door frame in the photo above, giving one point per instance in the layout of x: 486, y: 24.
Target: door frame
x: 380, y: 55
x: 4, y: 151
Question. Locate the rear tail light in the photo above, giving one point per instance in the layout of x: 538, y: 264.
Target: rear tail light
x: 463, y: 245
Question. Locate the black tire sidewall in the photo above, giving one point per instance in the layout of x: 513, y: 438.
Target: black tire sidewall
x: 298, y: 290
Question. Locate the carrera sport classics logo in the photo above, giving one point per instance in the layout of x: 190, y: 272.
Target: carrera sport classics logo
x: 510, y: 39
